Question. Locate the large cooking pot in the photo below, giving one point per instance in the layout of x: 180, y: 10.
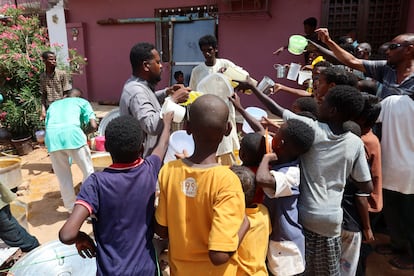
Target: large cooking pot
x: 55, y: 259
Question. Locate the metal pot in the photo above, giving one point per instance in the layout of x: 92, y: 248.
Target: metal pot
x: 54, y: 258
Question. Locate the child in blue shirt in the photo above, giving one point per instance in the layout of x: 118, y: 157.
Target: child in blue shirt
x: 279, y: 176
x: 121, y: 198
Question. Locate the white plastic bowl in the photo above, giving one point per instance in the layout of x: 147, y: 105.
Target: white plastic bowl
x: 257, y: 113
x: 179, y: 140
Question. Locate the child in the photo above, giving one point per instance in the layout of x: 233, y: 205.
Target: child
x: 122, y: 199
x: 286, y: 254
x: 251, y: 255
x: 334, y: 155
x: 201, y: 205
x: 179, y: 77
x: 252, y: 145
x: 330, y: 77
x: 366, y: 121
x: 305, y: 105
x: 355, y: 219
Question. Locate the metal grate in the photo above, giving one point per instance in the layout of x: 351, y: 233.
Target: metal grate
x: 375, y: 21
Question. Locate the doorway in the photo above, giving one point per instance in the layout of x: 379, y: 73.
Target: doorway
x: 186, y: 53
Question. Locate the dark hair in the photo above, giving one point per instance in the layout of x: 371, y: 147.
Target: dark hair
x: 123, y: 139
x: 208, y: 40
x: 177, y: 74
x: 139, y: 53
x: 69, y: 92
x: 368, y: 86
x: 46, y: 54
x: 307, y: 104
x: 308, y: 114
x: 252, y: 149
x: 371, y: 110
x: 311, y: 21
x: 352, y: 127
x: 346, y: 99
x: 247, y: 179
x: 300, y: 134
x: 323, y: 63
x: 339, y: 76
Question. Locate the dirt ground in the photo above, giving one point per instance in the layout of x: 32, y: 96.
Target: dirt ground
x: 45, y: 212
x: 46, y: 215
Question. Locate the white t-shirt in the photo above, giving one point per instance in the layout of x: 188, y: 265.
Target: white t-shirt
x: 397, y: 143
x: 202, y: 70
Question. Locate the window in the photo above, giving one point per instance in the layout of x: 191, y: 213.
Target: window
x: 180, y: 14
x: 375, y: 21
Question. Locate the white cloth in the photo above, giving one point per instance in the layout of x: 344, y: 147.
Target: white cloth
x: 397, y: 143
x: 202, y: 70
x: 61, y: 167
x: 285, y: 179
x: 284, y: 258
x: 350, y: 248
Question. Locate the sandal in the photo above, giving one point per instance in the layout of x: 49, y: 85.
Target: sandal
x: 385, y: 249
x: 402, y: 262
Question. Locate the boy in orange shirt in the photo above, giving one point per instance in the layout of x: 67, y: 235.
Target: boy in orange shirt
x: 201, y: 205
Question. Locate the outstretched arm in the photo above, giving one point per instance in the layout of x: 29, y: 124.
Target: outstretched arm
x: 253, y: 123
x: 343, y: 56
x: 266, y: 100
x: 162, y: 144
x: 280, y: 87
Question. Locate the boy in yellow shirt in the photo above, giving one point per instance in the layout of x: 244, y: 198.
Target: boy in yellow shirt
x: 201, y: 205
x: 251, y: 255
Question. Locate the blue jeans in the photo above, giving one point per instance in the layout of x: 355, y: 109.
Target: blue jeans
x: 13, y: 234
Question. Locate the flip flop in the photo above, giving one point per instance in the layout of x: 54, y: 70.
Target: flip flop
x: 402, y: 262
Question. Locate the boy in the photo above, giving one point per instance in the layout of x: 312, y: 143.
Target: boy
x: 334, y: 155
x: 251, y: 255
x: 179, y: 77
x: 201, y: 204
x: 355, y: 219
x: 122, y: 199
x: 252, y: 145
x: 306, y: 106
x: 286, y: 254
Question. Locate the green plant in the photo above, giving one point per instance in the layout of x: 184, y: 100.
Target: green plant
x: 22, y: 42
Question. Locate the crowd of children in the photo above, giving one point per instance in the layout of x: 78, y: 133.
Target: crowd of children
x: 298, y: 205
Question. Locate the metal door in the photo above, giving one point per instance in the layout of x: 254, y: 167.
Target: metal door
x: 185, y: 51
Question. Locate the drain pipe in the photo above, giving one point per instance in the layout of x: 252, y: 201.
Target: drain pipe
x: 114, y: 21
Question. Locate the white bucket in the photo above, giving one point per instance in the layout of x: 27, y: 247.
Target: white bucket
x: 257, y: 113
x: 179, y: 141
x: 179, y: 111
x: 236, y: 74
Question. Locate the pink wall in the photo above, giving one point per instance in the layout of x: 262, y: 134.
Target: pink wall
x: 410, y: 21
x: 248, y: 39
